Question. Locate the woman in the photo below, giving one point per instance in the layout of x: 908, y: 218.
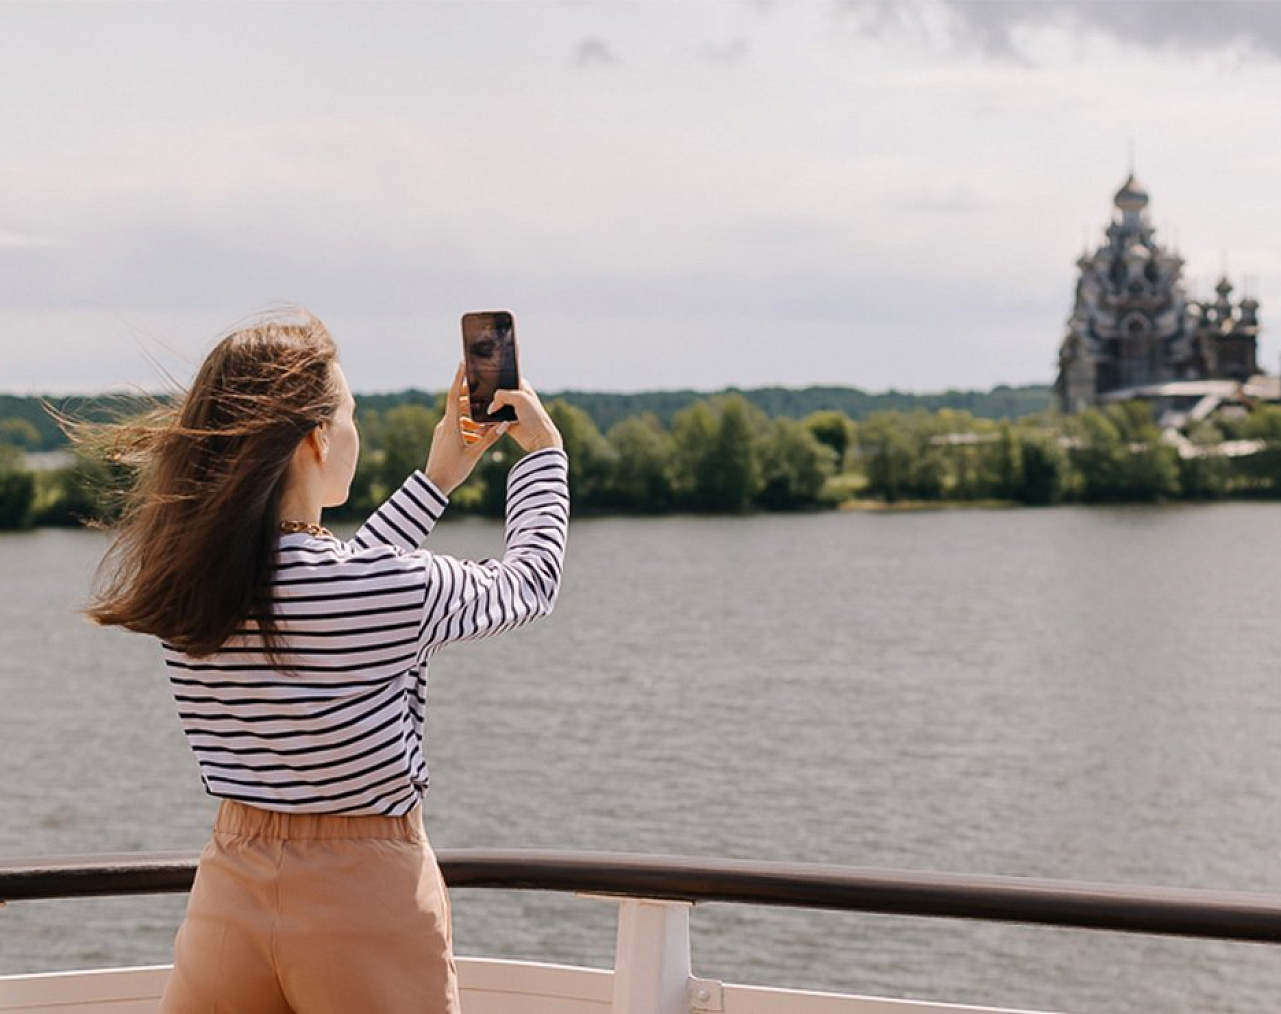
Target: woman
x: 298, y: 664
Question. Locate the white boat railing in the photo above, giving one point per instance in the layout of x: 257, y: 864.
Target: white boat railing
x: 652, y: 973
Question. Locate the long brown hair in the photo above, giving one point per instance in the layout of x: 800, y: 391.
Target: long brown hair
x: 193, y: 551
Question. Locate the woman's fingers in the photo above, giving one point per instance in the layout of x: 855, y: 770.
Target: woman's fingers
x: 492, y: 435
x: 534, y: 428
x: 480, y: 437
x: 504, y: 397
x: 458, y: 442
x: 473, y: 431
x: 460, y: 418
x: 457, y: 391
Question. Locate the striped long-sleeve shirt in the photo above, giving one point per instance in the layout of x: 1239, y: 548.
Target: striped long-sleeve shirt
x: 341, y: 731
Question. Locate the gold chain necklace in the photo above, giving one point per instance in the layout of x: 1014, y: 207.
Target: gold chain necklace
x: 295, y: 527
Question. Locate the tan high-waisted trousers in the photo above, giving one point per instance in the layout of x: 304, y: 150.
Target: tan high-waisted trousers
x: 314, y: 914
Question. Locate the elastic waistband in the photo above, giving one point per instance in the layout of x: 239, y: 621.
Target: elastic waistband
x: 252, y: 822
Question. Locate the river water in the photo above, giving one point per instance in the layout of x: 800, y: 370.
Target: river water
x: 1089, y: 694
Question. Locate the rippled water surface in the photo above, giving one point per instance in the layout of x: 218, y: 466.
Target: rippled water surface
x: 1070, y: 693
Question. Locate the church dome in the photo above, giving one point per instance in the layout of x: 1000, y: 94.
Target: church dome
x: 1131, y: 196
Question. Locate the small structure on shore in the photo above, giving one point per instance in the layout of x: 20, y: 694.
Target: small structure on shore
x: 1134, y: 333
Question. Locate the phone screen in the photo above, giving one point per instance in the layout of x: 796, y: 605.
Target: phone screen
x: 489, y: 355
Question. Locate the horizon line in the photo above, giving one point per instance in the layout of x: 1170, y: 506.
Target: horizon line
x: 556, y: 392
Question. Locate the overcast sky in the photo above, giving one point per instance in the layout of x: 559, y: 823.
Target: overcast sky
x: 686, y: 194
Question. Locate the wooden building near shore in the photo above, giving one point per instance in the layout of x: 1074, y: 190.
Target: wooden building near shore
x: 1134, y: 332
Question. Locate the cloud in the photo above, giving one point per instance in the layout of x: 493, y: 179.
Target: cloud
x: 11, y: 240
x: 995, y: 26
x: 1155, y: 24
x: 594, y: 52
x: 876, y: 18
x: 728, y: 54
x: 956, y: 200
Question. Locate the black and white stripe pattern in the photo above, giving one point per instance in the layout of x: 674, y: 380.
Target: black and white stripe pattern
x: 342, y: 730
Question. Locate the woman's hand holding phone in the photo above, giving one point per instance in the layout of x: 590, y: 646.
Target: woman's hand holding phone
x: 458, y: 443
x: 533, y: 428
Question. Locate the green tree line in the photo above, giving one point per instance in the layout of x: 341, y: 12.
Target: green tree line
x: 25, y: 423
x: 719, y: 454
x: 1115, y: 454
x: 724, y: 454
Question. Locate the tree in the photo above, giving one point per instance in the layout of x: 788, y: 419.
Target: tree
x: 833, y: 429
x: 1133, y: 420
x: 1258, y: 473
x: 718, y: 464
x: 927, y: 479
x: 795, y: 465
x: 643, y: 478
x: 1005, y: 463
x: 889, y: 455
x: 1204, y: 476
x: 406, y: 435
x: 371, y: 425
x: 1042, y: 472
x: 1264, y: 423
x: 904, y: 458
x: 1152, y: 469
x: 591, y: 457
x: 20, y: 433
x: 1099, y: 457
x: 731, y: 474
x: 17, y: 490
x: 1120, y: 455
x: 694, y: 431
x: 90, y: 490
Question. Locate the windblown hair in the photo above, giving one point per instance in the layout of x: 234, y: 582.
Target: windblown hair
x: 193, y: 551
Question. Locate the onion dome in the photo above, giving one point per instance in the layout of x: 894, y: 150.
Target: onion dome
x: 1249, y: 312
x: 1131, y: 196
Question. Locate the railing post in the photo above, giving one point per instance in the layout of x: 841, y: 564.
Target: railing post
x: 651, y: 961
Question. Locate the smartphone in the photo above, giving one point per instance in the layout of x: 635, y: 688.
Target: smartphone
x: 489, y: 358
